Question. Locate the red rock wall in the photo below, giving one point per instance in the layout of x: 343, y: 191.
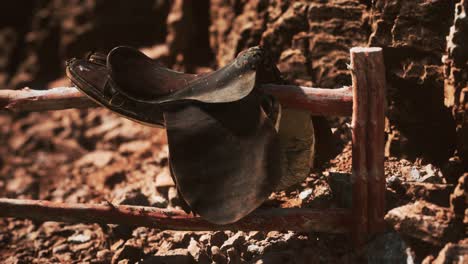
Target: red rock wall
x: 456, y: 76
x: 310, y: 41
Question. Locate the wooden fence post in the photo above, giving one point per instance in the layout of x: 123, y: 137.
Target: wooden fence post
x: 359, y: 176
x: 368, y: 74
x: 376, y: 140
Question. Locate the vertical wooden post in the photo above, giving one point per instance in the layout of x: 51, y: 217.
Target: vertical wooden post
x: 368, y: 74
x: 376, y: 137
x: 359, y: 138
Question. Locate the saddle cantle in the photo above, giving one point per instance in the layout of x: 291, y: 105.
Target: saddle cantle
x: 224, y: 149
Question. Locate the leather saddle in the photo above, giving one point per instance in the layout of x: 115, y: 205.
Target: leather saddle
x: 224, y: 150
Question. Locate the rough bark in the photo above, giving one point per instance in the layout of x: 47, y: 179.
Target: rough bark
x: 315, y: 100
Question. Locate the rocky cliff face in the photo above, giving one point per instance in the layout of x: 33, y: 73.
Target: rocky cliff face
x: 424, y: 46
x: 456, y: 76
x: 310, y: 42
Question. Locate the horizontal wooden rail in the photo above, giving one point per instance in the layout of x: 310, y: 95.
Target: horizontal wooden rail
x: 43, y: 100
x: 318, y: 101
x: 294, y: 219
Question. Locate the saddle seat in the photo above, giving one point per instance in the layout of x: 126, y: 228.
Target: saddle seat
x: 141, y: 79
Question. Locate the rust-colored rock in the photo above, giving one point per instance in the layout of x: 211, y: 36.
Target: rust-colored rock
x: 453, y: 253
x: 425, y: 221
x: 456, y: 80
x: 414, y: 43
x: 459, y: 197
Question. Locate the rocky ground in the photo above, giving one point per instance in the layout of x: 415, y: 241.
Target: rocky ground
x: 94, y: 156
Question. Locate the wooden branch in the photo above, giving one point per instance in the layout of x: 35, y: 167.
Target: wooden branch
x: 295, y: 219
x: 335, y: 102
x: 318, y: 101
x: 359, y: 139
x: 43, y: 100
x: 375, y: 72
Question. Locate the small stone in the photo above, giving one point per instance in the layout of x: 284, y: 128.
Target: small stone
x: 430, y: 179
x: 65, y: 258
x: 197, y: 253
x: 256, y: 236
x: 158, y: 201
x: 173, y: 196
x: 43, y: 253
x: 255, y: 250
x: 425, y: 221
x: 459, y: 197
x: 175, y: 256
x: 21, y: 183
x: 235, y: 241
x: 205, y: 239
x: 104, y: 255
x: 273, y: 235
x: 431, y: 170
x: 119, y: 243
x: 305, y: 194
x: 453, y: 253
x: 414, y: 174
x: 99, y: 159
x: 80, y: 238
x: 193, y: 247
x: 234, y: 257
x: 82, y: 246
x: 181, y: 239
x: 217, y: 256
x: 130, y: 252
x: 133, y: 197
x: 60, y: 249
x: 218, y: 238
x: 164, y: 179
x: 453, y: 169
x: 393, y: 181
x: 137, y: 146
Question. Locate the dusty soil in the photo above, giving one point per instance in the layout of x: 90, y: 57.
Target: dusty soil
x: 94, y: 156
